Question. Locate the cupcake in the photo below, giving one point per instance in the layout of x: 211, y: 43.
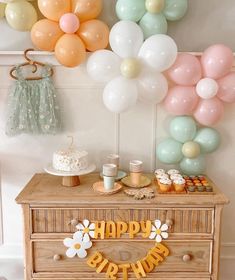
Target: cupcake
x: 165, y: 184
x: 173, y: 171
x: 175, y: 176
x: 161, y: 176
x: 159, y: 171
x: 179, y: 184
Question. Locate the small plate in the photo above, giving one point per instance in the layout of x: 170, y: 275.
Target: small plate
x: 144, y: 182
x: 51, y: 170
x: 120, y: 176
x: 99, y: 188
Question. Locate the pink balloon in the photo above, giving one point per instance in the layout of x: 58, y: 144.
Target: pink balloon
x: 181, y: 100
x: 209, y: 111
x: 227, y: 88
x: 217, y: 61
x: 69, y: 23
x: 186, y: 70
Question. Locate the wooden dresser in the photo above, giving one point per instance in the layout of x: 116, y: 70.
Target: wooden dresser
x: 51, y: 212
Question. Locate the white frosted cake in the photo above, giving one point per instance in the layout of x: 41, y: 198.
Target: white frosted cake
x: 70, y: 160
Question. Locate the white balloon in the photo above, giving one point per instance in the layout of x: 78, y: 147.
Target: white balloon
x: 103, y: 66
x: 120, y: 95
x: 159, y: 51
x: 207, y: 88
x: 126, y: 38
x: 153, y: 87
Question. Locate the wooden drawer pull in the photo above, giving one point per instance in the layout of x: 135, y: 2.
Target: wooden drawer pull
x: 169, y: 222
x: 57, y: 258
x: 187, y: 258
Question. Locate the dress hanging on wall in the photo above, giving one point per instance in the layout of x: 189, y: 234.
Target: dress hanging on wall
x: 32, y: 105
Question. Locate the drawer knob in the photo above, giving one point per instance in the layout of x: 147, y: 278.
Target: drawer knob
x: 74, y: 222
x: 187, y: 258
x: 169, y: 222
x: 57, y: 257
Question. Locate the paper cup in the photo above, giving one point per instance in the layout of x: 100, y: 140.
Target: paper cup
x: 108, y: 182
x: 110, y: 170
x: 136, y: 166
x: 113, y: 159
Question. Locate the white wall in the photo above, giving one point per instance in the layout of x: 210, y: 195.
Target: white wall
x: 96, y: 129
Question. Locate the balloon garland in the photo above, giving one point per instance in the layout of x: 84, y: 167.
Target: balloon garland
x: 188, y: 145
x: 202, y: 86
x: 152, y: 15
x: 20, y: 14
x: 70, y: 28
x: 133, y: 68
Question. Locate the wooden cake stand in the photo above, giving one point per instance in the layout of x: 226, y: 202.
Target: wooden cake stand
x: 70, y: 179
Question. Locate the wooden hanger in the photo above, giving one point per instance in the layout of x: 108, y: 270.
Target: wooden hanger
x: 32, y: 63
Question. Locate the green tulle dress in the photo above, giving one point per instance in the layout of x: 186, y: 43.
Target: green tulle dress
x: 32, y: 106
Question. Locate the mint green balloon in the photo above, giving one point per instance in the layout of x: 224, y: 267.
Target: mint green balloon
x: 183, y: 128
x: 169, y: 151
x: 194, y: 166
x: 208, y: 139
x: 152, y: 24
x: 130, y: 9
x: 175, y: 9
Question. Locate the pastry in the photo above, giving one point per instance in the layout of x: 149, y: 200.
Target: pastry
x: 179, y: 184
x: 175, y: 176
x: 140, y: 194
x: 159, y: 171
x: 161, y: 176
x: 165, y: 184
x: 173, y: 171
x: 70, y: 160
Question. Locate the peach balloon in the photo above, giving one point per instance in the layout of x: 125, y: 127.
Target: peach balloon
x: 70, y: 50
x: 95, y: 34
x: 54, y: 9
x: 45, y: 33
x: 87, y: 9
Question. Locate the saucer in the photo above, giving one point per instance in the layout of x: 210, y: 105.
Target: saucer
x: 120, y: 176
x: 144, y: 182
x: 99, y: 188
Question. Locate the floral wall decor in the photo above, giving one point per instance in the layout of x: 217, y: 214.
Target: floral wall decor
x: 151, y: 15
x: 202, y: 86
x: 70, y: 28
x: 20, y: 14
x: 188, y: 145
x: 133, y: 69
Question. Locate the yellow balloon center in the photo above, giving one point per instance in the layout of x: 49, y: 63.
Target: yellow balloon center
x: 130, y: 68
x: 86, y: 230
x: 158, y: 231
x: 77, y: 246
x: 191, y: 149
x: 154, y: 6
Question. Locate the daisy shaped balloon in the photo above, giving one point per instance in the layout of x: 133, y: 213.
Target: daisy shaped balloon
x: 159, y: 231
x: 188, y: 145
x: 202, y: 86
x: 70, y: 28
x: 87, y: 229
x: 20, y: 14
x: 152, y: 15
x: 133, y: 68
x: 76, y: 246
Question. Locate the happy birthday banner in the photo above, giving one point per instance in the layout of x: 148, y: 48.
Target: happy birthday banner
x: 81, y: 241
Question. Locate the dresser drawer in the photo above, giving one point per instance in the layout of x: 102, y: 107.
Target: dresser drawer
x: 124, y: 252
x: 184, y: 220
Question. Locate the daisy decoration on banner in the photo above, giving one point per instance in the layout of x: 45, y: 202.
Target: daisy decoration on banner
x: 202, y: 87
x: 159, y: 231
x: 151, y: 15
x: 70, y: 28
x: 133, y: 69
x: 87, y: 229
x: 76, y: 246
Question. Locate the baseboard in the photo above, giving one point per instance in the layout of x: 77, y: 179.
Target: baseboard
x: 227, y: 251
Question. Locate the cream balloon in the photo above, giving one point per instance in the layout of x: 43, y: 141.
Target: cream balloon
x: 191, y: 149
x: 154, y: 6
x: 2, y: 10
x: 103, y: 66
x: 130, y: 68
x: 21, y: 15
x: 207, y: 88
